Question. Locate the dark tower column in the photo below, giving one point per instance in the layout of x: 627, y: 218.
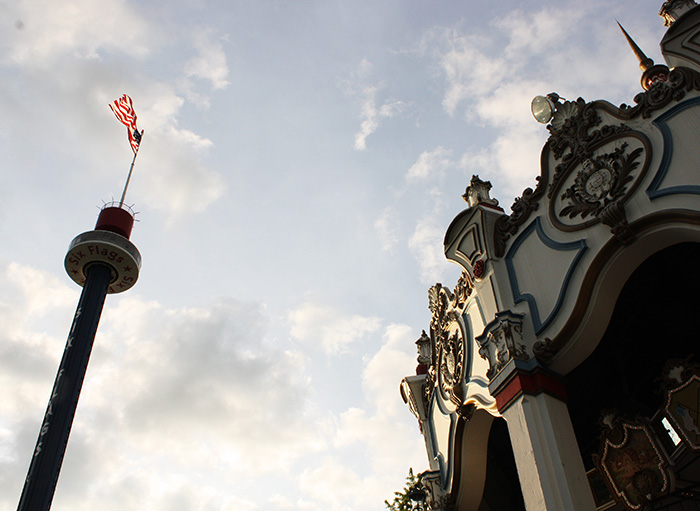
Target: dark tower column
x: 102, y: 261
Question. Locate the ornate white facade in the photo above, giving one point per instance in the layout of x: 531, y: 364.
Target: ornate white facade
x: 558, y: 376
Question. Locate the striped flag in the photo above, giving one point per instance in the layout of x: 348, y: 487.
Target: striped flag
x: 123, y: 108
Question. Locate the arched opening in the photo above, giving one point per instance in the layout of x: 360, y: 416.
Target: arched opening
x: 502, y: 487
x: 654, y: 320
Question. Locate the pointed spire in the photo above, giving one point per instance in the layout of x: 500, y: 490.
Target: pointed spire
x: 644, y: 61
x: 652, y: 73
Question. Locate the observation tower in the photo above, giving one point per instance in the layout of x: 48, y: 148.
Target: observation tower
x: 102, y: 261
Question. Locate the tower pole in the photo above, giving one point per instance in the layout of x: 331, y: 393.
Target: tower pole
x: 102, y: 261
x: 131, y: 168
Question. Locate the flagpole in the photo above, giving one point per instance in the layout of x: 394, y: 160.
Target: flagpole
x: 131, y: 169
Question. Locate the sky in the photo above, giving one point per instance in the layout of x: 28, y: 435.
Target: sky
x: 301, y: 161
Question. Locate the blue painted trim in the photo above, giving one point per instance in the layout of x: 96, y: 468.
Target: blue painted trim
x: 445, y: 465
x: 468, y: 345
x: 654, y: 191
x: 481, y: 311
x: 519, y: 296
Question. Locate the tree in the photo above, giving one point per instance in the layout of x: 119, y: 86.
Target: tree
x: 402, y: 499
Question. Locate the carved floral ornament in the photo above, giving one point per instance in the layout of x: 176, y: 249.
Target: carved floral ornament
x: 583, y: 147
x: 594, y: 188
x: 449, y: 349
x: 501, y: 341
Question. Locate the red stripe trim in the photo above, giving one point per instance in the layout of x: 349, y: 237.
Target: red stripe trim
x: 531, y: 384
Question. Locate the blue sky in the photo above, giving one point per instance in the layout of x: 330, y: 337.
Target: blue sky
x: 300, y: 164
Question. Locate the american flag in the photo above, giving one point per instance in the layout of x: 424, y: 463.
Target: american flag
x: 123, y: 108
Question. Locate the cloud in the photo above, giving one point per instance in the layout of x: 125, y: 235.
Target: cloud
x: 168, y: 392
x: 79, y: 28
x: 430, y: 165
x: 531, y: 34
x: 331, y: 329
x: 425, y: 243
x: 386, y: 228
x: 372, y: 115
x: 210, y: 62
x: 376, y: 433
x: 208, y: 372
x: 372, y: 112
x: 172, y: 392
x: 468, y: 71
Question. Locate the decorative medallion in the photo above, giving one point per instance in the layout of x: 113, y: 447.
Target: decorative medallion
x: 631, y: 462
x: 446, y: 370
x: 451, y: 355
x: 593, y: 184
x: 603, y: 179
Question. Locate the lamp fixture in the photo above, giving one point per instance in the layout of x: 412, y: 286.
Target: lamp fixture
x: 543, y: 107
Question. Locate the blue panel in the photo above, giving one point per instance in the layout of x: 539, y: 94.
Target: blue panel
x: 445, y: 465
x: 468, y: 345
x: 655, y: 191
x: 520, y: 296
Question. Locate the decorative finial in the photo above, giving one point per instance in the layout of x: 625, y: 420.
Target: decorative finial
x: 644, y: 61
x: 674, y: 9
x: 652, y: 74
x: 424, y: 353
x: 478, y: 193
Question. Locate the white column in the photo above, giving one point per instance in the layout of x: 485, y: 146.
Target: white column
x: 552, y: 477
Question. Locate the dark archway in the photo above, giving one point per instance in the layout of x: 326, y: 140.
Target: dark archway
x: 502, y: 487
x: 655, y: 319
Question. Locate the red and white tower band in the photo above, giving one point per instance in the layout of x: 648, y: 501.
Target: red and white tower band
x: 102, y: 261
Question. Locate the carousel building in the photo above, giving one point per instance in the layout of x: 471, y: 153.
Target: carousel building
x: 558, y: 374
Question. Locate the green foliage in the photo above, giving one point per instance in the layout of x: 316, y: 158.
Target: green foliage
x: 402, y: 500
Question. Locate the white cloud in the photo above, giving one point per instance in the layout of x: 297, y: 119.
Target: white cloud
x: 468, y: 70
x: 168, y: 391
x: 539, y: 32
x: 171, y: 393
x: 425, y: 243
x: 372, y: 111
x: 372, y: 115
x: 40, y: 291
x: 430, y: 165
x: 331, y: 329
x: 387, y: 367
x: 386, y: 228
x: 385, y: 444
x: 78, y: 28
x: 210, y: 62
